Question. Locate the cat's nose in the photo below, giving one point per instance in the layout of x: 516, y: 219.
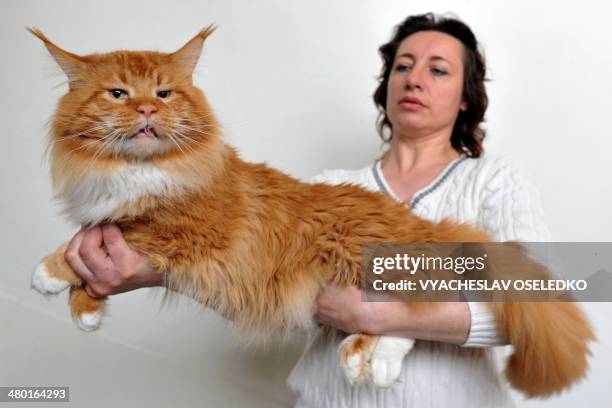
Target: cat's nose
x: 147, y: 110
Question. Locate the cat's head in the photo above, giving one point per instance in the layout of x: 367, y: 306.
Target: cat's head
x: 130, y: 106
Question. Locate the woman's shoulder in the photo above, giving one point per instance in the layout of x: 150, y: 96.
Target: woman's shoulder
x: 493, y: 169
x: 509, y: 202
x: 362, y: 176
x: 493, y: 163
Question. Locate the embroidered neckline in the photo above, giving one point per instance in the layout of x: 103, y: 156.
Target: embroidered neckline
x: 421, y: 193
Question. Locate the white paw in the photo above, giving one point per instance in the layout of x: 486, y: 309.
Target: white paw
x: 355, y: 360
x: 46, y: 284
x: 387, y: 359
x: 385, y: 371
x: 353, y: 367
x: 88, y: 321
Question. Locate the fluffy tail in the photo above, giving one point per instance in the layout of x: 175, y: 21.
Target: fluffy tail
x: 550, y: 342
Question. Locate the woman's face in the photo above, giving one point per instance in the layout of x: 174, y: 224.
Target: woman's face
x: 425, y: 88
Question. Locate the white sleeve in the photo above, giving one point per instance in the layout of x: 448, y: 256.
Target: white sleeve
x: 510, y: 210
x: 483, y: 327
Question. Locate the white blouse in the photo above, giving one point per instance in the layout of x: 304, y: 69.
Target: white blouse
x: 492, y: 193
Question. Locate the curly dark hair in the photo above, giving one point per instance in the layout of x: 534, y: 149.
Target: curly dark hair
x: 467, y: 134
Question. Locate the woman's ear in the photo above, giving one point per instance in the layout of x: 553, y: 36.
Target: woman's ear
x: 463, y: 107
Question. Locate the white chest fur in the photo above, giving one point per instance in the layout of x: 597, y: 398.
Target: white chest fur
x: 94, y: 198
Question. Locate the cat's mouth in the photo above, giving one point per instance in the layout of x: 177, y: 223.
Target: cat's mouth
x: 146, y: 132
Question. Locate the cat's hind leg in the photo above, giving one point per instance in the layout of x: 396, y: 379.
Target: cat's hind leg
x: 355, y: 354
x: 380, y: 357
x: 387, y: 359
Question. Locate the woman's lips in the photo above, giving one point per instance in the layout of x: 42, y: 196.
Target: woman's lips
x: 411, y: 103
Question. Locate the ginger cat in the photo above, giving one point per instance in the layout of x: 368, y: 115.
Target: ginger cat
x: 136, y: 143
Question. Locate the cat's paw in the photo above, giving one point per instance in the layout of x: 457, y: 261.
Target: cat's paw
x: 86, y: 311
x: 45, y: 284
x: 387, y: 359
x: 88, y: 321
x: 355, y: 353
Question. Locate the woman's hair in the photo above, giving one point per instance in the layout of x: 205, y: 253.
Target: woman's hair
x: 467, y: 134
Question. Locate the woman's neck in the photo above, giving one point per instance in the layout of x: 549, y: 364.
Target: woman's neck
x: 409, y: 155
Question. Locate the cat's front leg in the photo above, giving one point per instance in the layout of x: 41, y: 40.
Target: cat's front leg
x: 53, y: 275
x: 86, y: 311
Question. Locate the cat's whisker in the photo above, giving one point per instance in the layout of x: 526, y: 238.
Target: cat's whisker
x: 184, y: 143
x: 175, y: 142
x: 198, y: 126
x: 175, y: 135
x: 183, y: 122
x: 104, y: 123
x: 189, y: 138
x: 99, y: 140
x: 186, y: 114
x: 197, y: 119
x: 186, y: 146
x: 84, y: 133
x: 111, y: 138
x: 193, y: 129
x: 101, y: 125
x: 84, y: 146
x: 189, y: 159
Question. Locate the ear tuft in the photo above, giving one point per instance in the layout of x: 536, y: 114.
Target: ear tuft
x: 206, y: 31
x: 36, y: 32
x: 70, y: 63
x: 189, y: 54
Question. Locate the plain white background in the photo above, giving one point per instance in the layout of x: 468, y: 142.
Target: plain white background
x: 291, y: 81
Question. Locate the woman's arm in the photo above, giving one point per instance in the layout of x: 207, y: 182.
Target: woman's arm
x: 343, y: 308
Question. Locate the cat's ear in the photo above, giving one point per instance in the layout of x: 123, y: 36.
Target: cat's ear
x: 189, y: 54
x: 71, y: 64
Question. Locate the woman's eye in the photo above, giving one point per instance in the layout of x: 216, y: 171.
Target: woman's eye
x: 118, y: 93
x: 163, y: 94
x: 402, y: 68
x: 438, y: 72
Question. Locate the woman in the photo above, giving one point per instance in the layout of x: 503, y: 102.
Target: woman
x: 432, y: 100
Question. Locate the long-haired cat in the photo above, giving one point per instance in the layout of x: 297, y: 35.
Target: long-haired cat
x: 133, y: 141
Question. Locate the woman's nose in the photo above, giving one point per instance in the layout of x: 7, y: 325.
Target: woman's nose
x: 413, y: 79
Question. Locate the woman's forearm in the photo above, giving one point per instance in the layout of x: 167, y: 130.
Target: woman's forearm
x: 447, y: 322
x: 344, y: 309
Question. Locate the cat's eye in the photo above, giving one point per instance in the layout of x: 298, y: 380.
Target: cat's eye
x: 118, y: 93
x: 164, y: 94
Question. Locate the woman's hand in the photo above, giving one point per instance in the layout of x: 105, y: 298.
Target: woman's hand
x: 342, y: 308
x: 102, y: 258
